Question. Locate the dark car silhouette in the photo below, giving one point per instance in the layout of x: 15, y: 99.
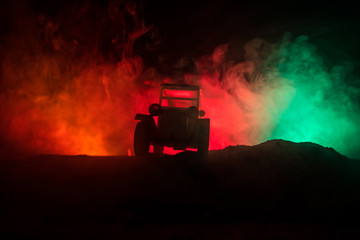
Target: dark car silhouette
x: 179, y: 122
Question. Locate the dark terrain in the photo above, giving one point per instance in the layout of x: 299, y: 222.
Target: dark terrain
x: 274, y: 190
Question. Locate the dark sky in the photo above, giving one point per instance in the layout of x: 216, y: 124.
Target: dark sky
x: 196, y: 27
x: 210, y: 22
x: 191, y: 29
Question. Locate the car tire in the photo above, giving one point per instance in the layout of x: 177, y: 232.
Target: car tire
x: 141, y: 140
x: 203, y: 137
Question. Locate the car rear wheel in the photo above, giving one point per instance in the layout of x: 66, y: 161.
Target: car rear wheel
x: 141, y: 140
x: 203, y: 137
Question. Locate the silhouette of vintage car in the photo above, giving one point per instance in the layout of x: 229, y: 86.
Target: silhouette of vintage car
x: 179, y: 122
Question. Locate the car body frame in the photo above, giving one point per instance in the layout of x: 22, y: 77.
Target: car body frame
x: 180, y: 123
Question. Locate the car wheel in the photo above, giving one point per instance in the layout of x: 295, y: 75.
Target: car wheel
x: 141, y: 140
x: 203, y: 137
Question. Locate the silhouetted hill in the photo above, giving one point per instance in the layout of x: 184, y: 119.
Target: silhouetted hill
x: 274, y: 189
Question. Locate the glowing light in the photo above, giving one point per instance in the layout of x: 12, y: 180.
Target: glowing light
x: 61, y: 94
x: 179, y: 94
x: 322, y: 110
x: 295, y: 98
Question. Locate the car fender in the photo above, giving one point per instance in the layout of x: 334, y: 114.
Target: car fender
x: 143, y: 117
x: 148, y: 121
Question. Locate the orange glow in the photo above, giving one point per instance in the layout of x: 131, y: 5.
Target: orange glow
x: 92, y: 112
x: 62, y: 94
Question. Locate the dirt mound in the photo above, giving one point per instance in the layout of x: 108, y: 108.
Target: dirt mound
x: 276, y: 181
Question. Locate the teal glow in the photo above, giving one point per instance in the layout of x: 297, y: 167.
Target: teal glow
x: 324, y: 108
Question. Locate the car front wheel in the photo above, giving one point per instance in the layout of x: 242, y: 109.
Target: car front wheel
x: 203, y: 137
x: 141, y: 140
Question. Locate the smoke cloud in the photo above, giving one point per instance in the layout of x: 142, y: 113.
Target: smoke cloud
x: 72, y: 82
x: 284, y: 90
x: 69, y: 81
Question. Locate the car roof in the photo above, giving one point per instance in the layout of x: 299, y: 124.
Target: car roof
x: 180, y: 86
